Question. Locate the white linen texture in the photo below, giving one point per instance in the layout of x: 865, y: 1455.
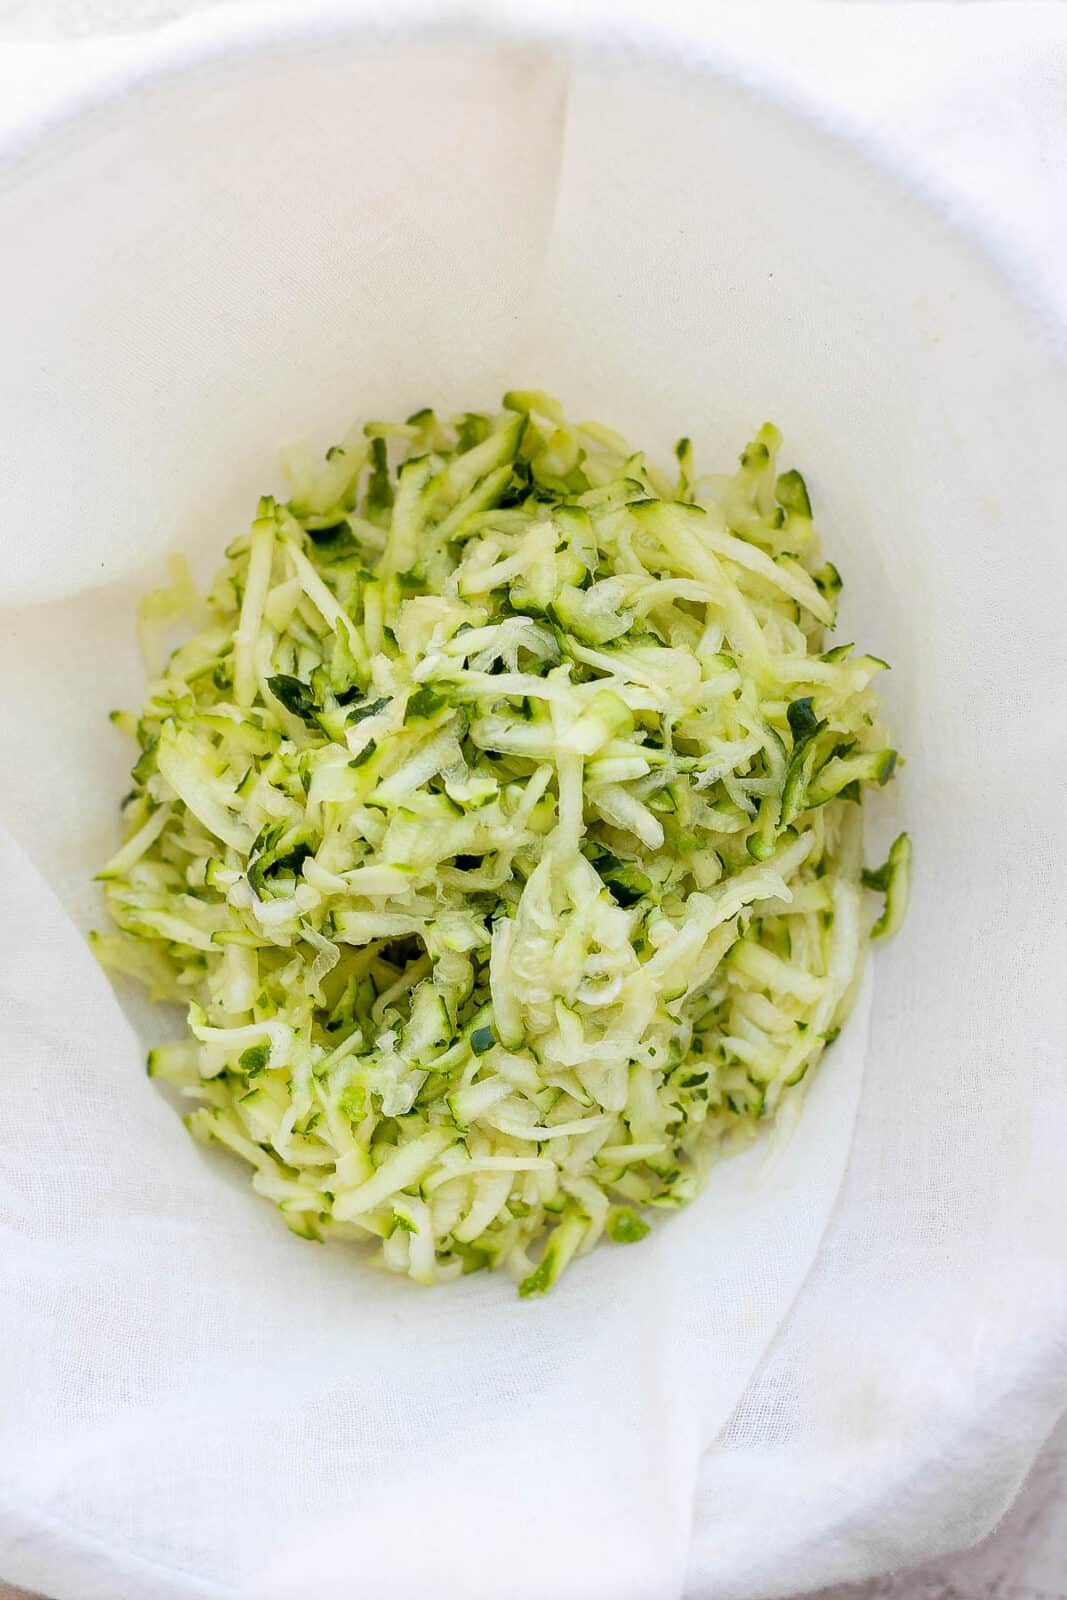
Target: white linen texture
x: 848, y: 1350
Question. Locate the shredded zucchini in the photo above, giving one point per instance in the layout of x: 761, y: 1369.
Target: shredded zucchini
x: 499, y: 824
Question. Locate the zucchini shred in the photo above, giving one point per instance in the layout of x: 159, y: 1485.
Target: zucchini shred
x: 499, y: 825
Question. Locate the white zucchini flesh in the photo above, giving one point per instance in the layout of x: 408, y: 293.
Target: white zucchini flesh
x: 499, y: 822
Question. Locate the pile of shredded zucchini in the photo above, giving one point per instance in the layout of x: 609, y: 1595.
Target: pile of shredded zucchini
x: 500, y: 827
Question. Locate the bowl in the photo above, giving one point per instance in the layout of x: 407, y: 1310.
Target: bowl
x: 255, y: 229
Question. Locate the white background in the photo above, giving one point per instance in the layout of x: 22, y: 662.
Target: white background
x: 971, y: 99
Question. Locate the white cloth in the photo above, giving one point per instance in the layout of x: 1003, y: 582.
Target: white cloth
x: 784, y: 1385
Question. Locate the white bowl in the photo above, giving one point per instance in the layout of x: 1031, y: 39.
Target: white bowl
x: 255, y: 232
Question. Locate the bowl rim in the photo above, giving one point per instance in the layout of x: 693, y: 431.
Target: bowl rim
x: 127, y: 73
x: 129, y: 68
